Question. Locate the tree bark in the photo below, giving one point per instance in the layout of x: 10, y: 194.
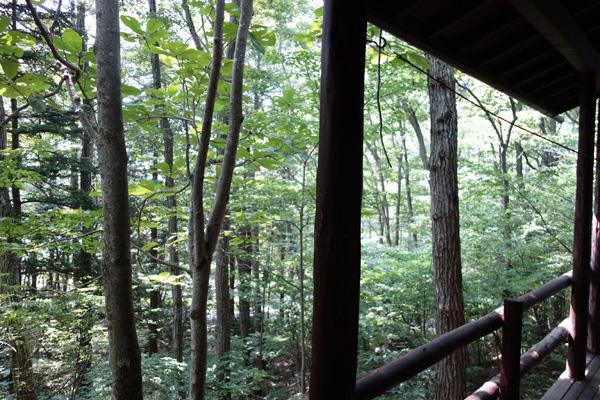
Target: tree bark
x: 451, y: 372
x: 409, y: 200
x: 384, y: 204
x: 204, y: 243
x: 112, y: 156
x: 20, y: 356
x: 397, y: 234
x: 223, y: 306
x: 244, y: 279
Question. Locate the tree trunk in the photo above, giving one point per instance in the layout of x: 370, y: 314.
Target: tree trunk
x: 204, y: 243
x: 20, y: 356
x: 409, y: 201
x: 171, y: 204
x: 112, y: 157
x: 384, y: 204
x: 451, y: 372
x: 84, y: 260
x: 223, y: 305
x: 244, y: 279
x: 398, y: 201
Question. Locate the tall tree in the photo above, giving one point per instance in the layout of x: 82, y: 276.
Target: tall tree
x: 205, y: 237
x: 445, y: 232
x: 125, y: 359
x: 20, y: 356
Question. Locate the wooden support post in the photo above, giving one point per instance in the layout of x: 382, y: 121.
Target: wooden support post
x: 339, y: 193
x: 594, y: 325
x: 582, y: 232
x: 510, y: 369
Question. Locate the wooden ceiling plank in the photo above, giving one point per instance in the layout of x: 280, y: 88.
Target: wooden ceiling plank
x: 507, y: 26
x: 564, y: 67
x: 562, y: 84
x: 555, y: 24
x: 464, y: 16
x: 531, y: 61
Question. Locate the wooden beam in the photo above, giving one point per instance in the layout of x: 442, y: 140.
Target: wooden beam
x: 339, y: 194
x: 553, y: 22
x: 582, y: 231
x: 594, y: 324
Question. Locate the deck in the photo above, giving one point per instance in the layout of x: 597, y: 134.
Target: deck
x: 566, y: 389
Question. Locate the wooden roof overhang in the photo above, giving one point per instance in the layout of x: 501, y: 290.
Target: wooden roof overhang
x: 531, y: 50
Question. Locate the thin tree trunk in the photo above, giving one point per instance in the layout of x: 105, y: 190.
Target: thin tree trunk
x: 409, y: 201
x: 205, y: 242
x: 259, y: 361
x: 451, y: 371
x: 125, y: 359
x: 152, y: 346
x: 223, y: 306
x: 190, y: 24
x: 244, y: 275
x: 223, y: 279
x: 397, y: 234
x: 384, y: 204
x: 20, y: 357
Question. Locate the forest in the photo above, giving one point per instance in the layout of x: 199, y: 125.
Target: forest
x: 158, y: 164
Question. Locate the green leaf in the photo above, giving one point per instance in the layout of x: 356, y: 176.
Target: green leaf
x: 10, y: 67
x: 153, y: 25
x: 132, y: 24
x: 4, y: 23
x: 229, y: 30
x: 149, y: 246
x: 138, y: 190
x: 232, y: 9
x: 128, y: 90
x: 164, y: 167
x: 72, y: 41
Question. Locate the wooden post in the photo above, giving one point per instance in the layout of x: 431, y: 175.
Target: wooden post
x: 510, y: 368
x: 339, y: 193
x: 594, y: 325
x: 582, y: 232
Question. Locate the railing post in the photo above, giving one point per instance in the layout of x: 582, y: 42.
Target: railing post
x: 582, y: 231
x: 510, y: 367
x: 594, y: 325
x: 338, y: 208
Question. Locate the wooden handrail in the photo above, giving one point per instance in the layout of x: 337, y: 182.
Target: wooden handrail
x: 419, y: 359
x: 535, y: 355
x: 548, y: 289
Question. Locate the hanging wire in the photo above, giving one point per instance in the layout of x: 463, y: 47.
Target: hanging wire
x: 522, y: 128
x: 380, y: 46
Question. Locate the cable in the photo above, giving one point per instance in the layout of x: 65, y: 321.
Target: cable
x: 522, y: 128
x: 380, y: 46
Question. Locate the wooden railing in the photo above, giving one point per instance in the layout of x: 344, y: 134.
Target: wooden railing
x: 514, y: 365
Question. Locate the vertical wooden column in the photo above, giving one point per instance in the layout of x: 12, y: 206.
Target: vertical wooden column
x: 339, y: 193
x: 510, y: 368
x: 594, y: 325
x: 582, y: 230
